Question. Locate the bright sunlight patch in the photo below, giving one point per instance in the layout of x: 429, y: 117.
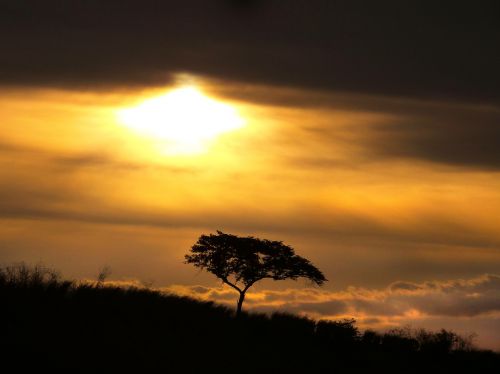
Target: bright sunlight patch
x: 184, y: 119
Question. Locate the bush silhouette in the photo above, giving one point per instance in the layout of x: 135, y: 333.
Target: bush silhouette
x: 341, y: 334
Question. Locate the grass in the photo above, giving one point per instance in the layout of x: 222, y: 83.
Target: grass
x: 52, y: 324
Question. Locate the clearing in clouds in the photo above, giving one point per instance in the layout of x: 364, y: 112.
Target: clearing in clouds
x: 184, y: 119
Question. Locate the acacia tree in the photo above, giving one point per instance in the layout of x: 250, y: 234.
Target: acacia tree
x: 241, y: 261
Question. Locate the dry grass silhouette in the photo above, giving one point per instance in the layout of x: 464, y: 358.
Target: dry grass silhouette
x: 67, y: 326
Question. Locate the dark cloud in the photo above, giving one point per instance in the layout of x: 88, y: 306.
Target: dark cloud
x: 376, y: 306
x: 371, y: 320
x: 396, y: 286
x: 200, y: 289
x: 459, y: 298
x: 96, y: 159
x: 458, y: 136
x: 76, y: 160
x: 390, y: 47
x: 464, y: 138
x: 332, y: 307
x: 460, y: 305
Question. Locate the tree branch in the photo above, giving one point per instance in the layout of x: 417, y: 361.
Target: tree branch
x: 232, y: 285
x: 247, y: 286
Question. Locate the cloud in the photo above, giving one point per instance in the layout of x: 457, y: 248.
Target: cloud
x: 76, y: 160
x: 456, y: 298
x: 368, y: 225
x: 351, y: 131
x: 50, y: 185
x: 363, y: 131
x: 386, y: 48
x: 461, y: 137
x: 408, y: 286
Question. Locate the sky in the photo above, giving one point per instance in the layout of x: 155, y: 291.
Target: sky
x: 364, y: 134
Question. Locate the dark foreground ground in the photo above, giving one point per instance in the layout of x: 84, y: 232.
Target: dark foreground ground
x: 50, y: 325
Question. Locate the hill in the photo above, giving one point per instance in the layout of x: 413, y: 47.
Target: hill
x: 54, y: 325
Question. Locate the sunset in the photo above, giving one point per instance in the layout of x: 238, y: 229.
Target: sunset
x: 184, y: 119
x: 366, y: 138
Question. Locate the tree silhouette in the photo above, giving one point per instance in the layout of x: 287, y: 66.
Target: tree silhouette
x: 241, y: 261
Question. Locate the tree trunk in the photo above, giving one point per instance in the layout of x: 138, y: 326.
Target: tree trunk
x: 240, y: 304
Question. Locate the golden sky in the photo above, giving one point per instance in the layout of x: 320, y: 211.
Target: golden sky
x: 371, y: 189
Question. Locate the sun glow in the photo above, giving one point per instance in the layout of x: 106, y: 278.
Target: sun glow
x: 184, y: 120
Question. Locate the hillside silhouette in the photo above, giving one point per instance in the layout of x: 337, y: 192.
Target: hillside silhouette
x: 55, y: 325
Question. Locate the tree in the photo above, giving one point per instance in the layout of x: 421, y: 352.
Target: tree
x: 241, y: 261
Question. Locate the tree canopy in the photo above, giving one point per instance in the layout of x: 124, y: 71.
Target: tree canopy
x: 241, y: 261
